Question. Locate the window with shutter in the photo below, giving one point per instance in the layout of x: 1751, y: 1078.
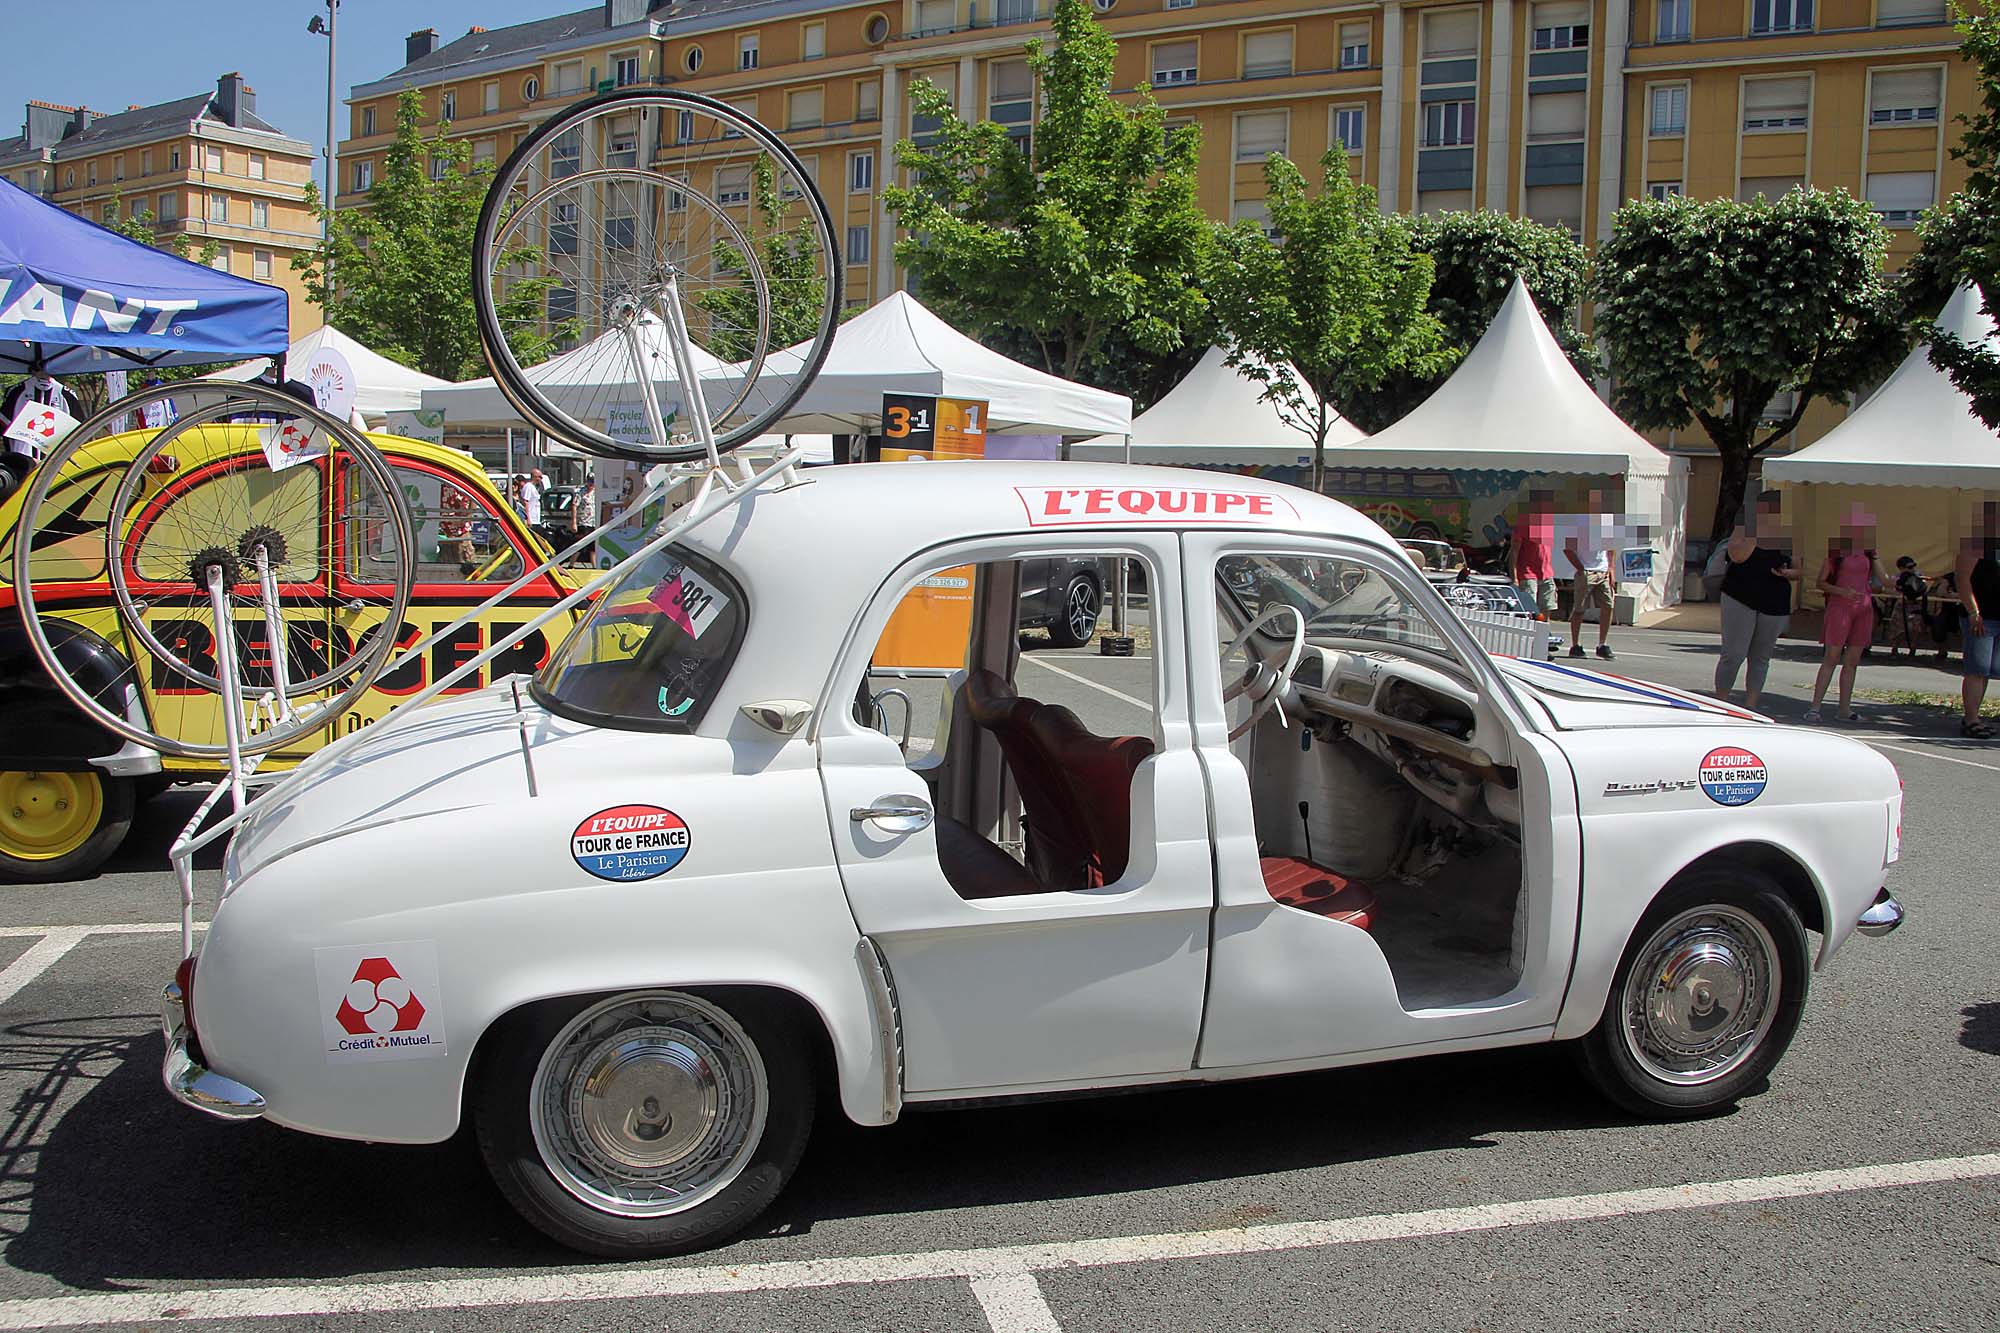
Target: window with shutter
x: 1776, y: 104
x: 1890, y: 12
x: 732, y: 186
x: 1562, y: 25
x: 1453, y: 32
x: 1267, y: 55
x: 1261, y: 133
x: 1174, y: 62
x: 868, y: 100
x: 1900, y: 197
x: 1354, y: 46
x: 1557, y: 206
x: 805, y: 110
x: 934, y: 15
x: 812, y: 41
x: 1670, y: 107
x: 1553, y: 116
x: 1773, y: 188
x: 1905, y: 96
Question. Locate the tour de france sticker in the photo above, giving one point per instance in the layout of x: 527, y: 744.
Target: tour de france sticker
x: 1732, y: 775
x: 380, y: 1002
x: 630, y: 842
x: 684, y: 598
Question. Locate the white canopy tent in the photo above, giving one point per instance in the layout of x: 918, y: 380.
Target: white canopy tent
x: 1215, y: 417
x: 578, y: 380
x: 897, y: 346
x: 382, y: 386
x: 1516, y: 404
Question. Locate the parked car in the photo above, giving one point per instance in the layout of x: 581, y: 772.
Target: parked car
x: 68, y: 788
x: 1064, y: 596
x: 632, y: 923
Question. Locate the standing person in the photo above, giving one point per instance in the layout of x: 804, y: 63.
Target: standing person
x: 531, y: 497
x: 583, y: 516
x: 1848, y: 576
x: 514, y: 493
x: 1756, y: 601
x: 161, y: 412
x: 1591, y: 548
x: 1532, y: 557
x: 17, y: 457
x: 1978, y: 578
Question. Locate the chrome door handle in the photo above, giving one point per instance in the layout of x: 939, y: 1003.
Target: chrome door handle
x: 894, y: 814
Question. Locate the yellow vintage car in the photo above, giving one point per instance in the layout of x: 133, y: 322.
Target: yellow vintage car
x: 68, y: 788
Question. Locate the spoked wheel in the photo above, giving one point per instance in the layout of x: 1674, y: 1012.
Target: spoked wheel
x: 1707, y: 998
x: 645, y: 1123
x: 251, y: 527
x: 625, y: 219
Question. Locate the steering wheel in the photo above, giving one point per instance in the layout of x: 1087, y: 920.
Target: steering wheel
x: 1264, y: 682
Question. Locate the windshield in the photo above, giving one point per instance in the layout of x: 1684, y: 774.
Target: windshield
x: 655, y: 649
x: 1340, y: 599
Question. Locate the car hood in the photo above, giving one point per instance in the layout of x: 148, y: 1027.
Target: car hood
x: 1576, y: 698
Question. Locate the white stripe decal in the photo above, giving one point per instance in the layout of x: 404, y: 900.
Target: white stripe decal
x: 999, y: 1267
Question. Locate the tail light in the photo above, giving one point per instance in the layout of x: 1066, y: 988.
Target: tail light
x: 184, y: 979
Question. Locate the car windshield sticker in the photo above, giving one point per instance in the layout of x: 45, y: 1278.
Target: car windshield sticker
x: 688, y: 601
x: 630, y: 842
x: 1732, y: 775
x: 380, y: 1002
x: 673, y: 709
x: 1080, y: 505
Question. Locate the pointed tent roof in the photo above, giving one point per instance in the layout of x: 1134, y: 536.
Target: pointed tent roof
x: 381, y: 385
x: 580, y: 380
x: 1215, y: 416
x: 897, y: 346
x: 1514, y: 404
x: 1917, y: 430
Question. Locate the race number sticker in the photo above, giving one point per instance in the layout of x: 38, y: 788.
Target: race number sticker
x: 1732, y: 776
x: 380, y: 1002
x: 688, y: 601
x: 630, y: 842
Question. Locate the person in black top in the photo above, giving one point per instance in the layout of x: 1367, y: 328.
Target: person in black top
x: 18, y: 458
x: 1756, y: 601
x: 1978, y: 579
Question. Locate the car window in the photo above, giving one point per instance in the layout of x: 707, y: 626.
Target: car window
x: 234, y: 499
x: 1343, y: 600
x: 655, y: 649
x: 460, y: 537
x: 69, y: 548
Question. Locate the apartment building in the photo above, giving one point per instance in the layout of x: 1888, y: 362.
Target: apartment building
x: 206, y: 167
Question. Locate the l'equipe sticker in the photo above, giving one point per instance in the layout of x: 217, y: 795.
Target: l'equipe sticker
x: 687, y: 600
x: 1732, y: 775
x: 380, y: 1002
x: 630, y: 842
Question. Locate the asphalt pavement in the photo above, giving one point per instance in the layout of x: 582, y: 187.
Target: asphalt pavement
x: 1860, y: 1190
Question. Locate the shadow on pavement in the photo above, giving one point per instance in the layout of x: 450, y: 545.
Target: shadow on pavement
x: 1982, y: 1028
x: 155, y: 825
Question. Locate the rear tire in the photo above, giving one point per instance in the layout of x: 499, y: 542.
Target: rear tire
x: 1706, y: 999
x: 1076, y: 617
x: 59, y: 825
x: 646, y: 1123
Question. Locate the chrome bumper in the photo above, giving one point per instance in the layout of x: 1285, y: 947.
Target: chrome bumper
x: 1882, y: 916
x: 191, y: 1084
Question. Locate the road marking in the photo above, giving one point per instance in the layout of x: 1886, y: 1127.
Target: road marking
x: 41, y: 955
x: 107, y: 928
x: 1013, y: 1303
x: 1926, y: 754
x: 999, y: 1267
x: 1140, y: 704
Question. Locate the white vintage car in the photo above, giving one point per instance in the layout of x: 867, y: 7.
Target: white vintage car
x: 634, y: 918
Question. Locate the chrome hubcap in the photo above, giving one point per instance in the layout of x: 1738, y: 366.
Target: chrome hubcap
x: 1701, y: 995
x: 649, y: 1104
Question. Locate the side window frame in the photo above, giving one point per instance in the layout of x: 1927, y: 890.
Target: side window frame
x: 502, y: 517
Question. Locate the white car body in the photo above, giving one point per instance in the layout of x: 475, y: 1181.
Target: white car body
x: 447, y: 843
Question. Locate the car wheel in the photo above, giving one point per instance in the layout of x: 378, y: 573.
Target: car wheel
x: 1076, y: 617
x: 60, y: 825
x: 1706, y: 999
x: 647, y: 1123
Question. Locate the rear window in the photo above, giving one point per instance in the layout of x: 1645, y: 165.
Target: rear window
x: 655, y: 649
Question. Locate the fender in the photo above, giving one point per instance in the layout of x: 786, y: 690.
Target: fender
x: 68, y: 738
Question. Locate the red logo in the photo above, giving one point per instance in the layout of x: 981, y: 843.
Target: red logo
x: 45, y: 424
x: 378, y: 1000
x: 292, y: 438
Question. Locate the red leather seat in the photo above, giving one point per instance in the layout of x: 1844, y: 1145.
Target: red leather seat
x: 1297, y: 882
x: 1097, y: 773
x: 1058, y: 848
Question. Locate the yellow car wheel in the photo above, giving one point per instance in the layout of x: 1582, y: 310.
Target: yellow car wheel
x: 58, y: 824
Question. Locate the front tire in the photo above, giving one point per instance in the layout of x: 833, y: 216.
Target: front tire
x: 58, y: 825
x: 1707, y: 998
x: 647, y: 1123
x: 1076, y: 617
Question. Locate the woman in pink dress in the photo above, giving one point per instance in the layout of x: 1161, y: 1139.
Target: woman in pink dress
x: 1847, y: 577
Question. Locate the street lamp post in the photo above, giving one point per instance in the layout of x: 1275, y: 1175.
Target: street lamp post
x: 325, y: 27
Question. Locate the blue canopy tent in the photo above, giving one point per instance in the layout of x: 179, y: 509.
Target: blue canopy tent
x: 76, y: 298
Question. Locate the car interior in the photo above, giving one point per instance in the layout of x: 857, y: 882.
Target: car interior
x: 1377, y: 803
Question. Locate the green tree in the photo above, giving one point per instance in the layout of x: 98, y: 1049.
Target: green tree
x: 1095, y: 239
x: 403, y: 265
x: 1339, y: 296
x: 794, y: 275
x: 1712, y: 309
x: 1477, y: 256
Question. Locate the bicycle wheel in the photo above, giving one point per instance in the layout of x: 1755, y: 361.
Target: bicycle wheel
x: 628, y: 216
x: 294, y: 514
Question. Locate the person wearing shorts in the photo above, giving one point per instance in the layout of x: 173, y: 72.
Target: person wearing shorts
x: 1847, y: 577
x: 1978, y: 579
x: 1533, y: 554
x: 1590, y: 548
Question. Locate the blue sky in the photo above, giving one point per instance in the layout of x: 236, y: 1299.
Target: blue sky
x: 109, y: 54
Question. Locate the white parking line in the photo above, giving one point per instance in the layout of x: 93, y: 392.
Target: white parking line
x: 1013, y: 1303
x: 1085, y: 680
x: 998, y: 1270
x: 41, y: 955
x: 1926, y: 754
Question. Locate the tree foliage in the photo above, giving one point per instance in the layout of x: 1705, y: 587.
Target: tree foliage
x: 1476, y: 257
x: 1338, y: 296
x: 403, y: 266
x: 1962, y: 240
x: 795, y: 274
x: 1095, y: 240
x: 1711, y: 309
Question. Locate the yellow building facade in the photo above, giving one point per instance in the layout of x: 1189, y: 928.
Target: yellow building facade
x: 206, y: 167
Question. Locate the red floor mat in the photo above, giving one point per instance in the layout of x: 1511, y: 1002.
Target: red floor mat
x: 1297, y: 882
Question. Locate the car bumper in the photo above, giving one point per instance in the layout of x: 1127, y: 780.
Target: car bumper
x: 1883, y: 915
x: 187, y: 1080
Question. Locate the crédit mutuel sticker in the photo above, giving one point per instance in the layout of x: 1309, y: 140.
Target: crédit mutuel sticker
x: 630, y: 842
x: 380, y: 1001
x: 1732, y: 775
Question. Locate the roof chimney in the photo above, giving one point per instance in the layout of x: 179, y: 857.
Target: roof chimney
x: 419, y: 44
x: 234, y: 99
